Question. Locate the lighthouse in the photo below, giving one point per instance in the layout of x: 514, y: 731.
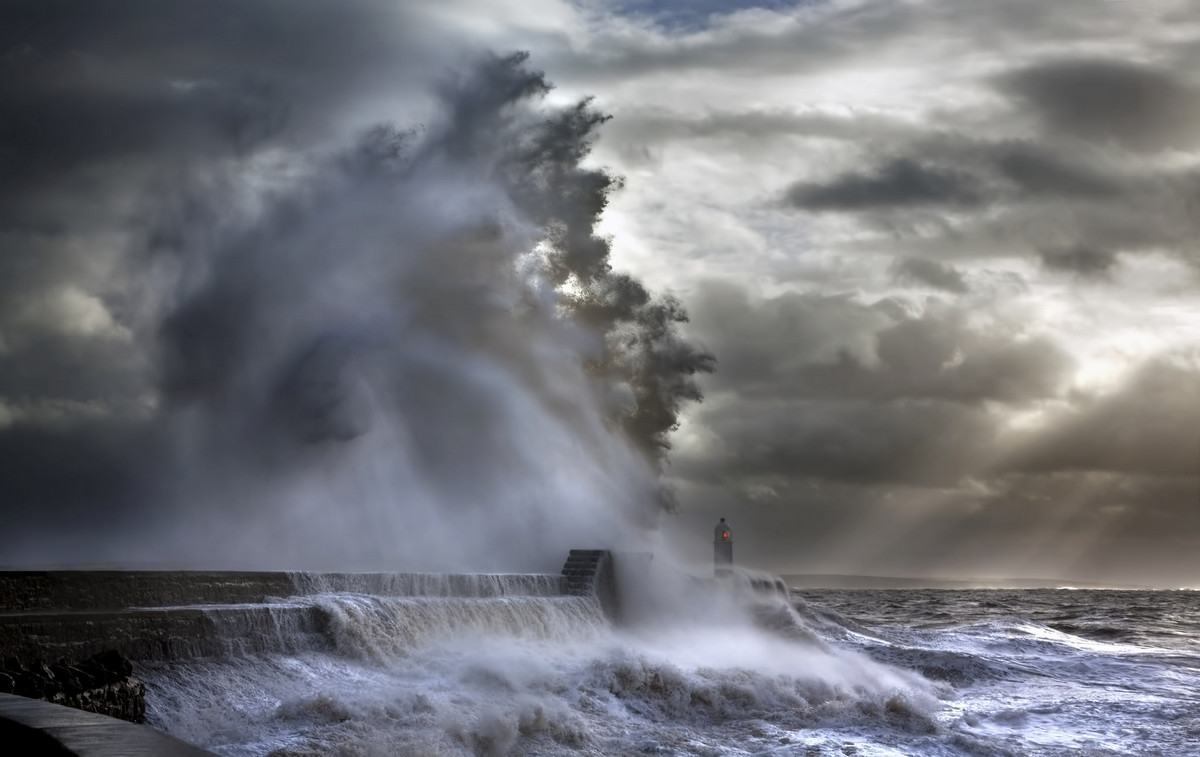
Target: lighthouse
x: 722, y: 550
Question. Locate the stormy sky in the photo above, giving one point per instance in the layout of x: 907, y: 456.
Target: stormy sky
x: 944, y: 254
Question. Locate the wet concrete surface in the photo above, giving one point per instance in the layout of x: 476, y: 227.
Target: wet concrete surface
x: 34, y: 727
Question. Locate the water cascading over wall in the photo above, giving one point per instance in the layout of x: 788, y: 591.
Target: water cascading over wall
x: 165, y: 616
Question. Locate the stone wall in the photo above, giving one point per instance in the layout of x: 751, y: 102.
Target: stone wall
x: 78, y: 590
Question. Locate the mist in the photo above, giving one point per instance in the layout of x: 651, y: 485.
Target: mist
x: 407, y: 351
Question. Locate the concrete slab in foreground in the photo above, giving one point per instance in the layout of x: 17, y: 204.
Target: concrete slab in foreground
x: 35, y: 727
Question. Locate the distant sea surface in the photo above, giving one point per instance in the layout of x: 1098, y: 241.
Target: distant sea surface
x: 1036, y: 672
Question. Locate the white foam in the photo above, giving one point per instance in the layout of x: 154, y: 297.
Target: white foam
x: 528, y: 675
x: 430, y: 584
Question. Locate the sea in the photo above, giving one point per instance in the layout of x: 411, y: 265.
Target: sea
x: 702, y: 669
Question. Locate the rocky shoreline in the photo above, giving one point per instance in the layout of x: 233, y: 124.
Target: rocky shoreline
x: 103, y: 684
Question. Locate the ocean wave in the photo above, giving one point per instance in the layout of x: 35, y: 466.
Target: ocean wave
x: 535, y: 675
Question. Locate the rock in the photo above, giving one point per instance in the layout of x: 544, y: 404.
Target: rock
x: 27, y: 685
x: 68, y: 682
x: 101, y: 684
x: 113, y: 661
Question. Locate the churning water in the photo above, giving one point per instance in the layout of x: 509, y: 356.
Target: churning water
x: 1038, y: 672
x: 494, y: 666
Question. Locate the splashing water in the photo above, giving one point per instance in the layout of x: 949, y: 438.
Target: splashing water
x: 411, y: 353
x: 414, y: 354
x: 538, y: 675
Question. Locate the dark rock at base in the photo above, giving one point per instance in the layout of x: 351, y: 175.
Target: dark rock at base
x: 27, y: 684
x: 112, y: 661
x: 125, y: 700
x: 102, y: 684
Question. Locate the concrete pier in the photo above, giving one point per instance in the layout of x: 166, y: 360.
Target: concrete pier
x: 34, y: 727
x: 143, y: 616
x: 177, y: 615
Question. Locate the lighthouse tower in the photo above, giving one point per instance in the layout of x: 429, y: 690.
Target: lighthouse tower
x: 722, y: 550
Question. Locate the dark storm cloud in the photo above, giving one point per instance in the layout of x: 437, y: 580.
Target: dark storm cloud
x: 1036, y: 170
x: 83, y: 84
x: 95, y: 103
x: 1064, y: 156
x: 953, y: 170
x: 811, y: 346
x: 96, y: 100
x: 1140, y: 107
x: 73, y: 367
x: 829, y: 414
x: 1148, y: 427
x: 818, y: 363
x: 1072, y: 205
x: 930, y: 273
x: 1059, y: 155
x: 1096, y: 527
x: 1091, y: 526
x: 912, y: 442
x: 898, y: 183
x: 801, y: 438
x: 1086, y: 261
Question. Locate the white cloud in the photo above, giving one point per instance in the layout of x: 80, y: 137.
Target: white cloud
x: 70, y: 311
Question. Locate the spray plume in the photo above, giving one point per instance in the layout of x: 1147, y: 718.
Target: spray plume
x: 414, y: 352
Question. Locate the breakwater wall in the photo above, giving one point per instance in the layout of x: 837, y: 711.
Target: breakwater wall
x: 73, y: 637
x: 91, y: 623
x: 175, y: 615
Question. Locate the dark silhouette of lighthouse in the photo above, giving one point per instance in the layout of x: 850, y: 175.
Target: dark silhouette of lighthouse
x: 722, y: 550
